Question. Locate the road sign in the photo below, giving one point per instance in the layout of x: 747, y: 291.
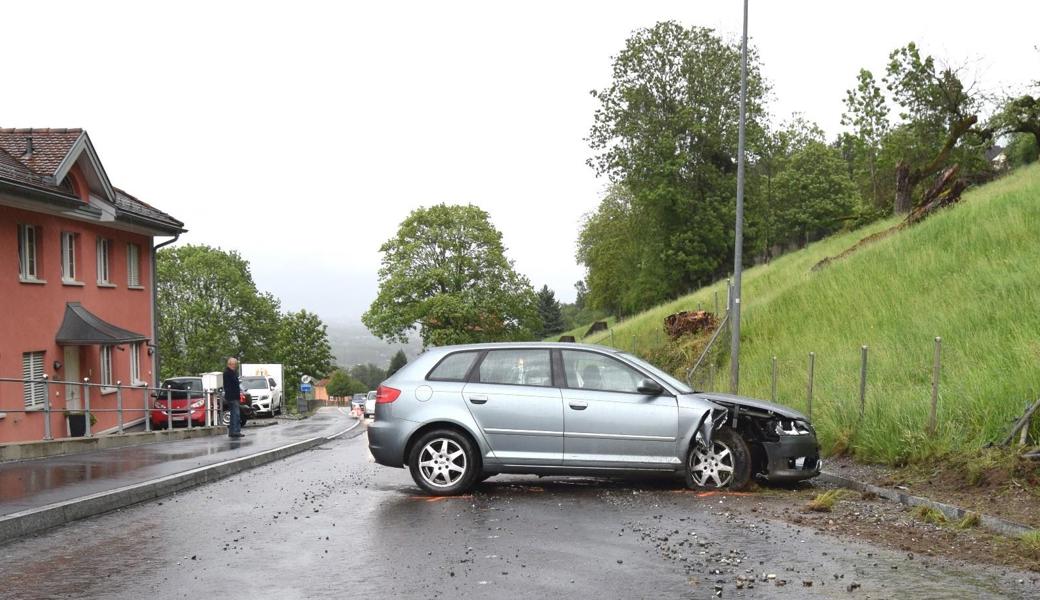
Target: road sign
x: 305, y: 387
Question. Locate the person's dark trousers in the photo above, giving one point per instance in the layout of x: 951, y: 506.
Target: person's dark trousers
x: 235, y: 427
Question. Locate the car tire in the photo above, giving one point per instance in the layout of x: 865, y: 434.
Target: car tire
x: 443, y: 462
x: 727, y: 465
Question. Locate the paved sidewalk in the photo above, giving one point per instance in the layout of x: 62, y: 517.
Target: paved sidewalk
x: 39, y: 483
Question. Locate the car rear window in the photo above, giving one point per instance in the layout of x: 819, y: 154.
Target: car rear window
x: 453, y: 367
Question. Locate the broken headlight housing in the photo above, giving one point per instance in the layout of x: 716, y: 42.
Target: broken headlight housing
x: 792, y: 427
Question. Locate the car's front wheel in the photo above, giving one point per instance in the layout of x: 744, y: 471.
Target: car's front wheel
x: 725, y: 465
x: 444, y: 463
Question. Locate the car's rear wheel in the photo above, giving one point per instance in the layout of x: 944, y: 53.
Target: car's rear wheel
x: 444, y: 463
x: 725, y: 465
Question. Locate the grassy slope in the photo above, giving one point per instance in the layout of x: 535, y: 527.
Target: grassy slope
x: 970, y: 274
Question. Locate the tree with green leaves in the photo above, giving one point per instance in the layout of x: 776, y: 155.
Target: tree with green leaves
x: 397, y: 361
x: 939, y: 113
x: 302, y: 346
x: 609, y: 248
x: 549, y: 312
x: 867, y: 114
x: 369, y: 375
x: 342, y: 385
x: 208, y: 308
x: 446, y: 274
x: 666, y: 128
x: 814, y: 193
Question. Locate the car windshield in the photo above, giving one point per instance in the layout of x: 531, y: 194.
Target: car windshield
x: 194, y: 385
x: 679, y: 386
x: 254, y: 383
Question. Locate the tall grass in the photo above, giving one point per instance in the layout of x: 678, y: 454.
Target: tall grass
x: 970, y: 274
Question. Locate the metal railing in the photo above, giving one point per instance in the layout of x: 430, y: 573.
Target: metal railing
x: 152, y: 399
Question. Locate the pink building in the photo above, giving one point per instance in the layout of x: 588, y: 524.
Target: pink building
x: 77, y: 294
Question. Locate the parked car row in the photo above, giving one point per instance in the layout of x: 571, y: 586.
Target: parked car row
x: 184, y: 398
x: 366, y: 402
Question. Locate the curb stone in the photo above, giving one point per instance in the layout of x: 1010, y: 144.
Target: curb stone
x: 35, y: 520
x: 951, y: 512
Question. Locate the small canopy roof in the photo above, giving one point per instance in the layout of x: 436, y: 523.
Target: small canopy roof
x: 83, y: 328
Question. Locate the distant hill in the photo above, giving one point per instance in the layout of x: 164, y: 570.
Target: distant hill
x: 352, y: 344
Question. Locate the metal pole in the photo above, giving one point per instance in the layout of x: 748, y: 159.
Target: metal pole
x: 147, y: 412
x: 119, y: 404
x: 862, y: 380
x: 209, y: 405
x: 169, y: 409
x: 773, y: 396
x: 738, y: 242
x: 716, y: 302
x: 611, y: 338
x: 812, y: 371
x: 86, y: 406
x: 935, y: 385
x: 46, y: 409
x: 187, y: 404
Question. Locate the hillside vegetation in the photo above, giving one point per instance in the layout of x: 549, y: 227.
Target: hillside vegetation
x: 970, y: 274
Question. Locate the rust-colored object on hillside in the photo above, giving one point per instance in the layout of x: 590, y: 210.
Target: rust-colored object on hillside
x: 689, y: 321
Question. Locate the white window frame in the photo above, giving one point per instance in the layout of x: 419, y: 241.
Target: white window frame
x: 133, y: 265
x: 68, y: 256
x: 28, y: 253
x: 106, y: 366
x: 34, y: 393
x: 135, y: 363
x: 104, y: 249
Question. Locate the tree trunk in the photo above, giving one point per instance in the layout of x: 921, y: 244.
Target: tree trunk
x: 903, y: 189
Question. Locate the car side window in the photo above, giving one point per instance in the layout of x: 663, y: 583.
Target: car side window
x: 592, y: 371
x: 270, y: 381
x: 517, y: 367
x: 453, y: 367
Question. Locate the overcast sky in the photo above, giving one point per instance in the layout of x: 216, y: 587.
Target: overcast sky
x: 301, y: 133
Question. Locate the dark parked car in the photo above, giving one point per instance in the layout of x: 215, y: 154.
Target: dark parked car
x: 459, y: 414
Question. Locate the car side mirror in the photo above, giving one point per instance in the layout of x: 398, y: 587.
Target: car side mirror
x: 650, y: 388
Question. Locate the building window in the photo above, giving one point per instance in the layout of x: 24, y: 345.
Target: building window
x: 68, y: 256
x: 27, y: 252
x: 34, y: 392
x: 133, y: 265
x: 106, y: 365
x: 103, y: 248
x: 135, y: 363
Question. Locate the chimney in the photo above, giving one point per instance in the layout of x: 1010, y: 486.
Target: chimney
x: 28, y: 148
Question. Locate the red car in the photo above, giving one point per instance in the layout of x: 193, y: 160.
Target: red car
x: 182, y: 393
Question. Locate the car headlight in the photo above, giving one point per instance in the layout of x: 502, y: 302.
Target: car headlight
x: 198, y: 403
x: 160, y: 405
x: 792, y: 427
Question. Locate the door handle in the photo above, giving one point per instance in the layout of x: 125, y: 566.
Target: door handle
x: 578, y: 405
x: 478, y: 399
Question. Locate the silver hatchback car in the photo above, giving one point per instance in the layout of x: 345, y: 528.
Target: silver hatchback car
x: 459, y: 414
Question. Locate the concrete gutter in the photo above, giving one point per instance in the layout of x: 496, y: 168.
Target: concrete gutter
x: 26, y: 522
x: 76, y: 445
x: 951, y: 512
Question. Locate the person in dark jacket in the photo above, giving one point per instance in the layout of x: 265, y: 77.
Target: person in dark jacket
x: 232, y: 391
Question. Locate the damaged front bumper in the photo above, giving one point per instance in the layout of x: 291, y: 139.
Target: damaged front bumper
x: 792, y: 458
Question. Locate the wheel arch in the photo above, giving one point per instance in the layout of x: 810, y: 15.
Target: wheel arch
x: 451, y: 425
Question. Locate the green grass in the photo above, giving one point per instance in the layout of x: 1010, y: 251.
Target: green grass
x: 929, y: 515
x: 970, y: 274
x: 1031, y: 542
x: 825, y: 501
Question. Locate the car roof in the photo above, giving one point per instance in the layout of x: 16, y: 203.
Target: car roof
x: 532, y: 345
x: 183, y: 378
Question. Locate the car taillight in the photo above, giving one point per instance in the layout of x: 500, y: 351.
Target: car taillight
x: 386, y: 395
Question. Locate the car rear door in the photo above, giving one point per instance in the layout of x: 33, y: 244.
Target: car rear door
x: 511, y: 397
x: 607, y: 422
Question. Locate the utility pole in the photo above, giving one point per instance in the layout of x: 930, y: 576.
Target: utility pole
x: 738, y: 247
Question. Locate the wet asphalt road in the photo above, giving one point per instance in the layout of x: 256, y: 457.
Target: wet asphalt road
x: 328, y: 523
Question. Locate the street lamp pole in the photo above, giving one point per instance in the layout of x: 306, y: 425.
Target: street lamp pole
x: 738, y: 244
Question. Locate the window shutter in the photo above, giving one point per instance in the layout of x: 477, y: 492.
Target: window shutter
x: 32, y: 368
x: 27, y: 391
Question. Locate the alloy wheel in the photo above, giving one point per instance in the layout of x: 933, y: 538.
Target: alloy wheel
x: 442, y: 463
x: 712, y: 468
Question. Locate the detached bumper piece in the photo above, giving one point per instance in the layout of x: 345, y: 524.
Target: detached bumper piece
x: 793, y: 458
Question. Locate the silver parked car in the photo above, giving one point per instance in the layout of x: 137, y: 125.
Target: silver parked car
x: 460, y: 414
